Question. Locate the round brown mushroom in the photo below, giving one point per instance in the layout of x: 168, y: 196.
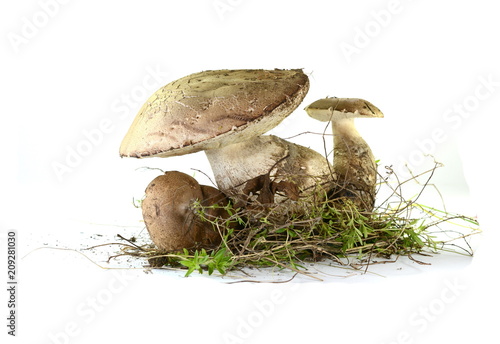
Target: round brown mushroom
x: 170, y: 217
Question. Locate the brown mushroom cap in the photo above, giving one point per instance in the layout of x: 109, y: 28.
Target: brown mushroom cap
x: 212, y: 109
x: 331, y: 109
x: 169, y: 217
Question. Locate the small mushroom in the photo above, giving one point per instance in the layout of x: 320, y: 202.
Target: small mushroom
x: 170, y: 218
x: 223, y: 112
x: 353, y: 161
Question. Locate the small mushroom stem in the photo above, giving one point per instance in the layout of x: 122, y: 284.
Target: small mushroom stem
x: 354, y: 164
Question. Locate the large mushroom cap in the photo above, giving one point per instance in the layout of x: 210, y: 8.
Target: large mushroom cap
x: 332, y: 108
x: 212, y: 109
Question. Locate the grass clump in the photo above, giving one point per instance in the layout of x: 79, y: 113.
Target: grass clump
x: 332, y: 230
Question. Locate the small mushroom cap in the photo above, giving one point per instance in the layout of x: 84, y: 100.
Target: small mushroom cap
x: 331, y: 109
x: 212, y: 109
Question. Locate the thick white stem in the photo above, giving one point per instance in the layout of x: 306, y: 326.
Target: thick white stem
x: 235, y: 164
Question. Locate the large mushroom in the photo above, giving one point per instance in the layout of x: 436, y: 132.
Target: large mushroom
x: 223, y: 113
x: 170, y: 217
x: 353, y: 161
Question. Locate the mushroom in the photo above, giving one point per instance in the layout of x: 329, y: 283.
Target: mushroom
x: 170, y: 217
x: 223, y: 113
x: 353, y: 161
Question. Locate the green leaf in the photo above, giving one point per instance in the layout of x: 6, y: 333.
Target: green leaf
x: 189, y: 272
x: 211, y: 268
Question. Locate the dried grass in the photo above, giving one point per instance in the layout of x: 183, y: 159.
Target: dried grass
x: 332, y: 230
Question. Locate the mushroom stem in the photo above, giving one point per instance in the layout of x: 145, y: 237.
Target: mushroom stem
x: 236, y: 164
x: 354, y: 164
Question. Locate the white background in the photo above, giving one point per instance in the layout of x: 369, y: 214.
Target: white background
x: 68, y: 68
